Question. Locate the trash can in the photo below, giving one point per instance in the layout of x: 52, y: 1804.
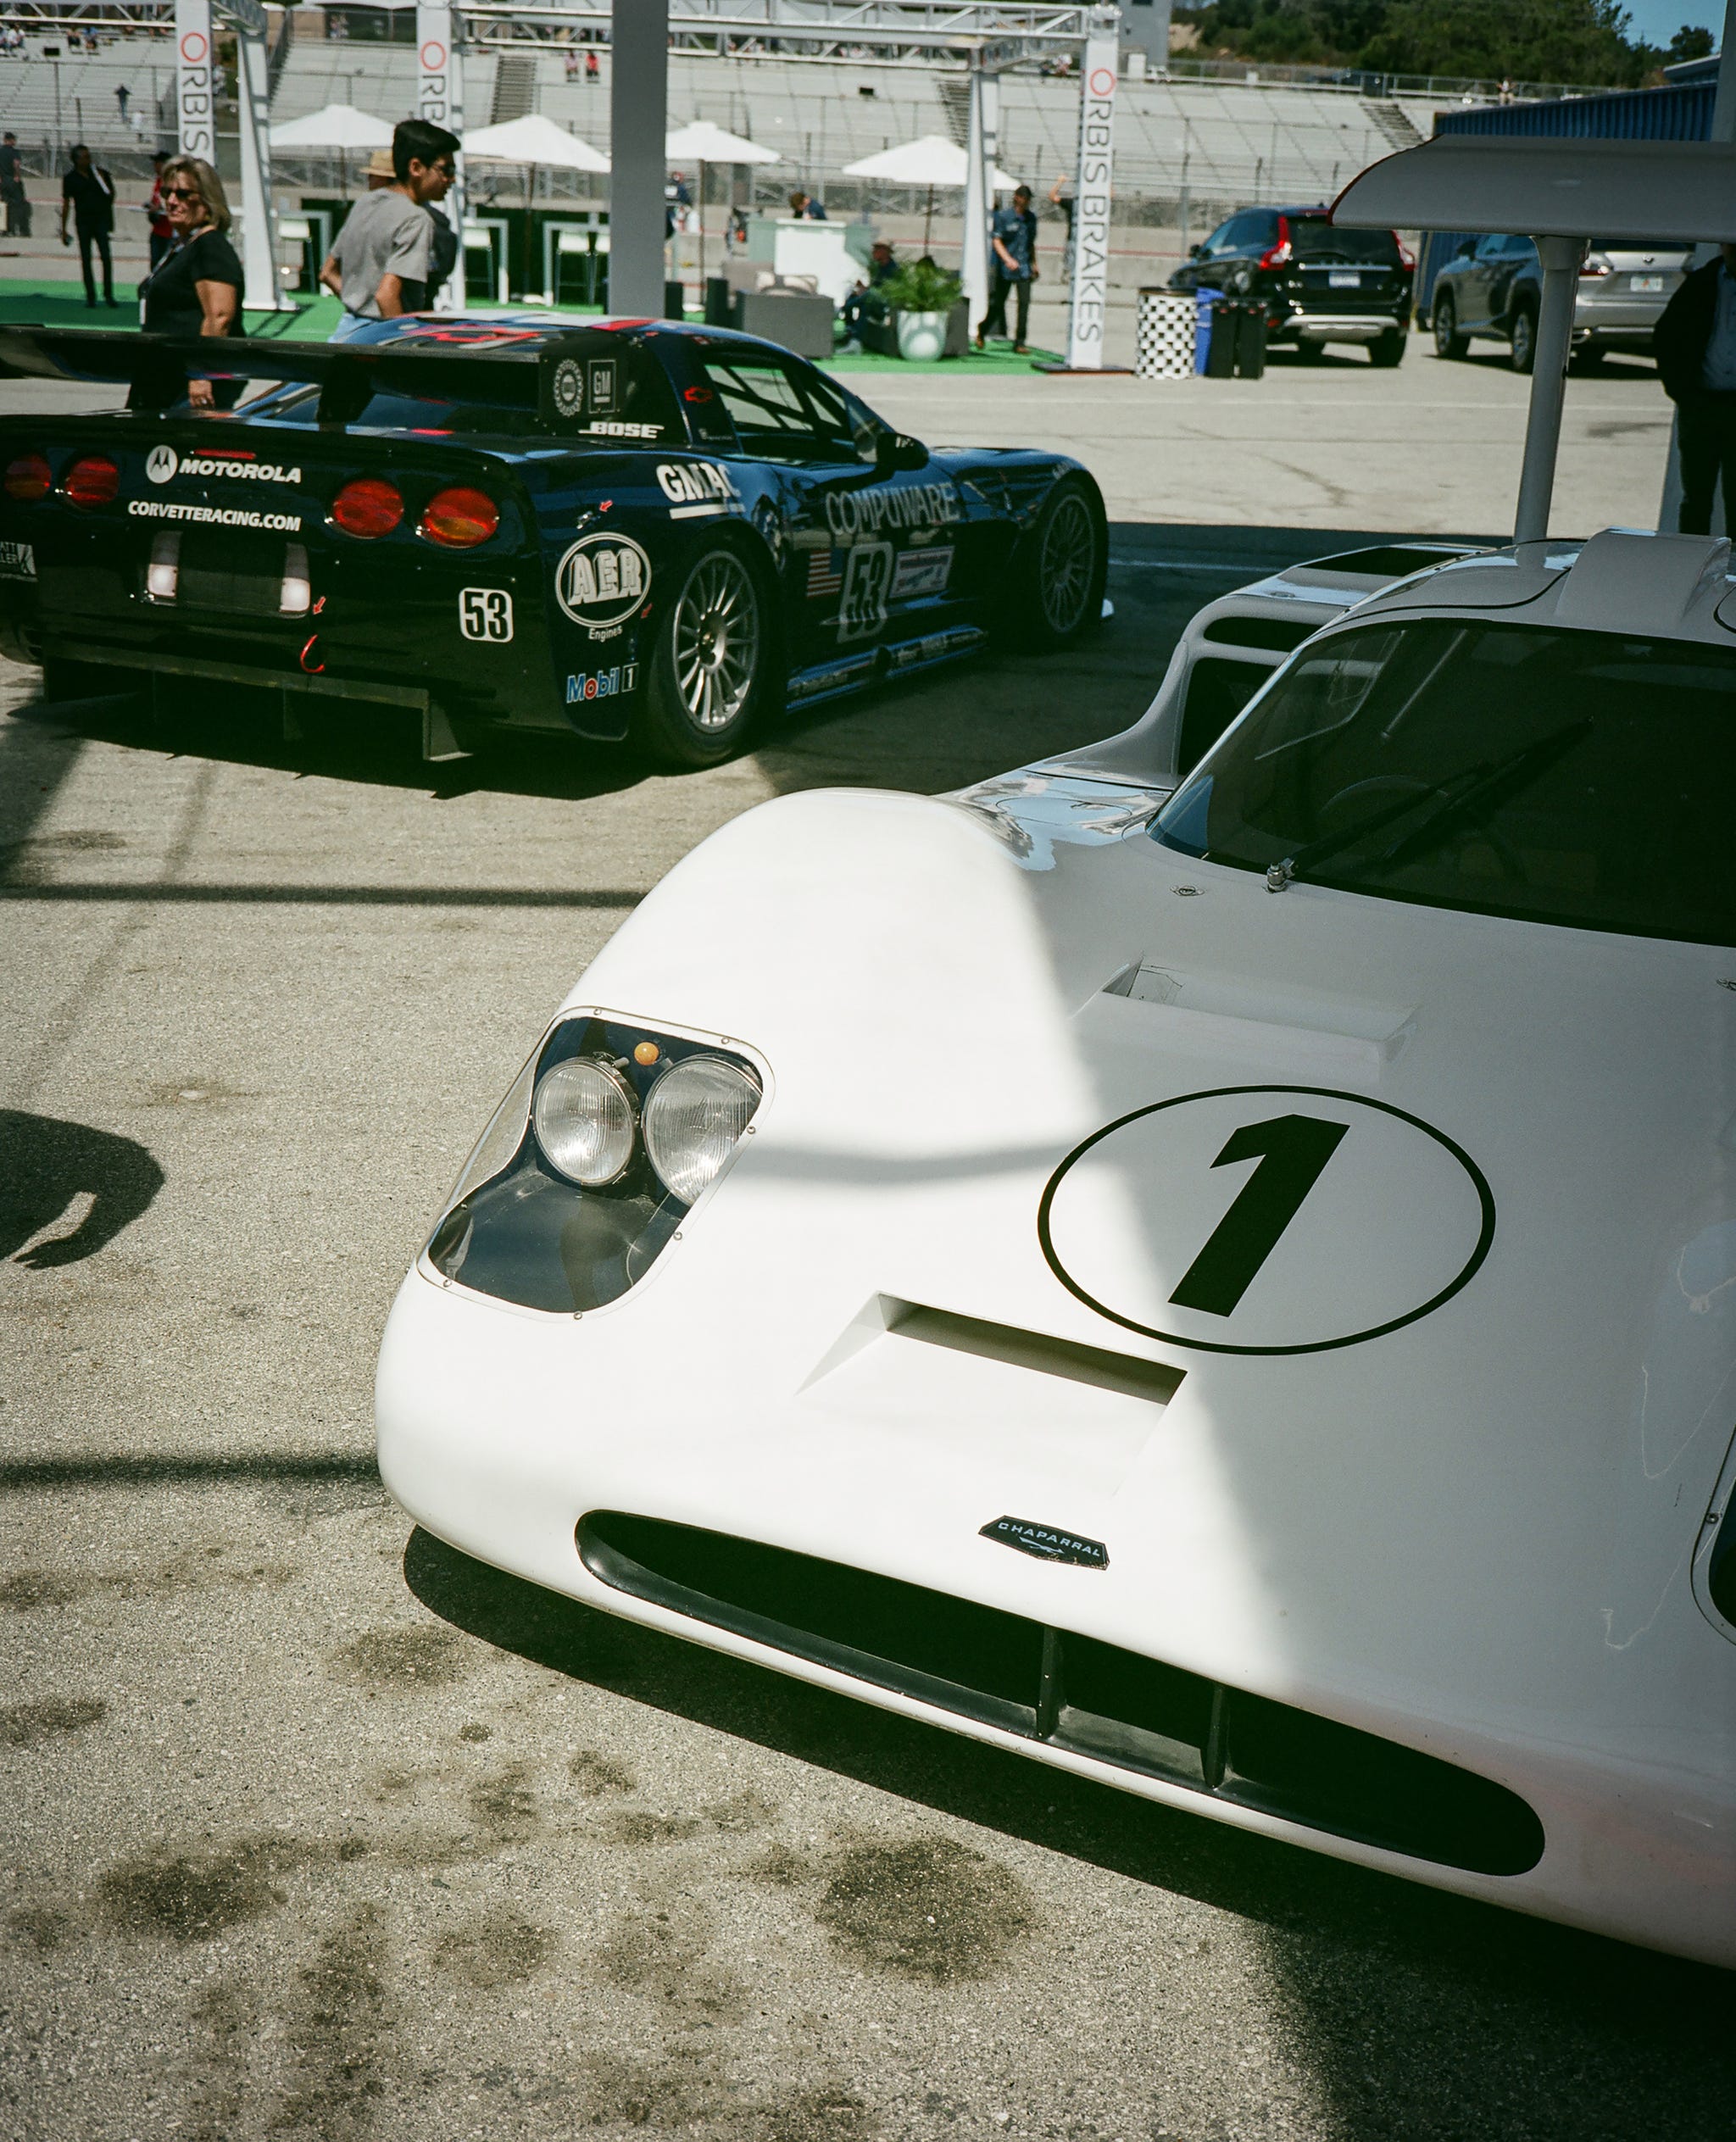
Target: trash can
x: 1204, y: 300
x: 1250, y: 343
x: 1220, y: 350
x: 675, y: 301
x: 720, y: 301
x: 1164, y: 337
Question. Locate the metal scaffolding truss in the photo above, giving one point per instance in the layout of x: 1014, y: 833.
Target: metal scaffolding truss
x: 1015, y: 28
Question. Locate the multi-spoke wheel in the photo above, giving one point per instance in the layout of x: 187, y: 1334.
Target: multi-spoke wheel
x: 710, y: 663
x: 1059, y: 590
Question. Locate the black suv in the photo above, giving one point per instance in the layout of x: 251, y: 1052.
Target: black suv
x: 1320, y: 284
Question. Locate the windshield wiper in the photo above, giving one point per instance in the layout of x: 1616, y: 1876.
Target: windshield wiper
x: 1506, y: 778
x: 1480, y: 779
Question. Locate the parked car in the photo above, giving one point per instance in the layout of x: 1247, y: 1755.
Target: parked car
x: 1493, y: 286
x: 1208, y: 1273
x: 595, y: 529
x: 1321, y: 284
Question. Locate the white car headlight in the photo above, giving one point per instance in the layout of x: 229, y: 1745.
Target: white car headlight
x: 694, y: 1118
x: 584, y: 1114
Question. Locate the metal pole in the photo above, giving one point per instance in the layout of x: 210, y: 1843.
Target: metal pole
x: 638, y: 93
x: 1560, y: 258
x: 440, y: 99
x: 975, y: 263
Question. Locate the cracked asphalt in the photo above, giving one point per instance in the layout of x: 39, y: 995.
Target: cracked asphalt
x: 312, y: 1827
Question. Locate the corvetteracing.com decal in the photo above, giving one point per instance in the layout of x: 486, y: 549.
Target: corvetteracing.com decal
x: 224, y: 516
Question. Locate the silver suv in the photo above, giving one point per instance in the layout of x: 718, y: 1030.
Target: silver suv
x: 1493, y: 286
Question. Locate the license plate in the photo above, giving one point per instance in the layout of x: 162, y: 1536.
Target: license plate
x: 1650, y: 284
x: 1339, y: 279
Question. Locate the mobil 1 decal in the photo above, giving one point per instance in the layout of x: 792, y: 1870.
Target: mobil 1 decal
x: 1266, y: 1220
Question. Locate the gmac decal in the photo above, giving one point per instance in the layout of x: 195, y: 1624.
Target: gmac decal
x: 1266, y: 1220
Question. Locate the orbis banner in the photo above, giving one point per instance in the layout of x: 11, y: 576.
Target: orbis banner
x: 440, y: 99
x: 195, y: 79
x: 1097, y: 116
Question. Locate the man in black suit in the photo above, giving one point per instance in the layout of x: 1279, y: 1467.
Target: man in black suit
x: 1695, y: 344
x: 87, y: 195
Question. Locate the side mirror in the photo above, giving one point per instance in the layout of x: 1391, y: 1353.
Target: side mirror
x: 1466, y: 249
x: 894, y: 451
x: 1196, y: 253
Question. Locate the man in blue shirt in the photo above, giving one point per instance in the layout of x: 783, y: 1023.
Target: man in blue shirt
x: 1695, y: 344
x: 1012, y: 267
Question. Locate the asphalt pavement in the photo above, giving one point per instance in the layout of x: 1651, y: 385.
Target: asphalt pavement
x: 313, y: 1828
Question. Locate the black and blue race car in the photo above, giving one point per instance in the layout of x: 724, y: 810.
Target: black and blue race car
x: 612, y: 529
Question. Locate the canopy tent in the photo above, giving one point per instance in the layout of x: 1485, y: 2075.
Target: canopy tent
x: 931, y: 160
x: 700, y: 142
x: 339, y: 127
x: 1563, y: 194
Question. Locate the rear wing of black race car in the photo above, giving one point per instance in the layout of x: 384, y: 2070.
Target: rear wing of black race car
x: 580, y: 379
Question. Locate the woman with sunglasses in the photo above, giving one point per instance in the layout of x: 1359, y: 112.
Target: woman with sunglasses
x: 195, y: 289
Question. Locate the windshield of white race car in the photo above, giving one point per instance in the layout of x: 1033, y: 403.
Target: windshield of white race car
x: 1584, y: 778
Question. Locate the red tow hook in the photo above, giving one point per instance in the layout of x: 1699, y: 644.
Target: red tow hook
x: 312, y: 669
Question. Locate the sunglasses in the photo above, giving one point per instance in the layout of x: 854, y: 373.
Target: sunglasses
x: 182, y: 193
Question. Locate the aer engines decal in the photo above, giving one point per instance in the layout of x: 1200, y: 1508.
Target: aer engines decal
x: 601, y: 581
x: 1266, y: 1220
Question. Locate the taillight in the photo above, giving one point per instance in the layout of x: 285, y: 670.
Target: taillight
x: 460, y: 518
x: 368, y: 506
x: 92, y: 481
x: 28, y: 478
x: 1279, y: 256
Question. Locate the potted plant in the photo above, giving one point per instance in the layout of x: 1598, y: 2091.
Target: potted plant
x: 923, y: 300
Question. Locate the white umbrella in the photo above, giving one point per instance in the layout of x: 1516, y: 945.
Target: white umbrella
x: 532, y: 141
x: 702, y: 142
x: 340, y: 126
x: 930, y: 160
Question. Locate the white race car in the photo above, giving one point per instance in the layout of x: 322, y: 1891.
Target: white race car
x: 1217, y: 1276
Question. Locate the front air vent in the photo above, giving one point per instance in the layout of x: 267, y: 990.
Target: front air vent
x: 1095, y: 1365
x: 1071, y: 1692
x: 1278, y: 635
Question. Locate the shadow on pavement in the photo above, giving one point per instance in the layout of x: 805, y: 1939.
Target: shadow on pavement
x: 1423, y: 2014
x: 46, y: 1165
x: 959, y: 724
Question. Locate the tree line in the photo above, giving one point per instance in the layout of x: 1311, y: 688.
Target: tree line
x: 1540, y: 41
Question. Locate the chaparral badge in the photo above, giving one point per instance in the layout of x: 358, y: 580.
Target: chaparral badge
x: 1046, y: 1544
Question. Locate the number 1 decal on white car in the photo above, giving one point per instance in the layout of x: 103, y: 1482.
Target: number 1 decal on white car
x: 1356, y: 1220
x: 485, y: 613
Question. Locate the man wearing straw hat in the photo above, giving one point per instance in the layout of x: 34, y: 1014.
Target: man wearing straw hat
x: 382, y: 261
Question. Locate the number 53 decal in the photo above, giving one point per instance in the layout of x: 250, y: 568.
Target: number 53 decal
x: 1354, y: 1220
x: 485, y: 613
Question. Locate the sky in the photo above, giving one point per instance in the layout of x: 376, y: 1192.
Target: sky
x: 1658, y: 20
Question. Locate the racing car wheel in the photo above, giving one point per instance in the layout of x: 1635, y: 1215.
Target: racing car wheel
x: 1061, y: 567
x: 712, y: 660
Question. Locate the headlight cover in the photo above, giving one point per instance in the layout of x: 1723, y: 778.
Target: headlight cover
x: 564, y: 1206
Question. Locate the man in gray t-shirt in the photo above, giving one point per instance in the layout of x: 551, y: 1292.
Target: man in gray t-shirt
x: 380, y: 265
